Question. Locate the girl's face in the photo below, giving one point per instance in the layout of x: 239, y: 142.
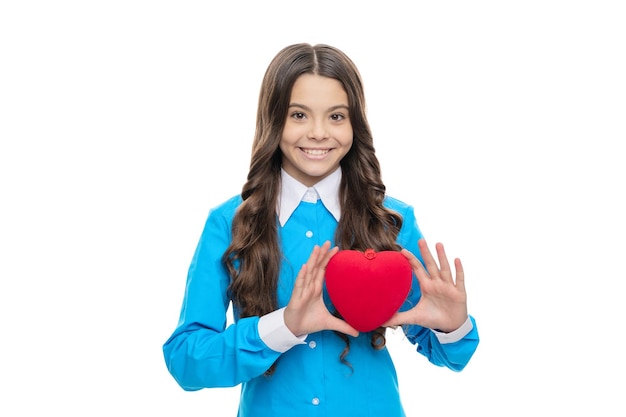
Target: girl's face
x: 318, y: 133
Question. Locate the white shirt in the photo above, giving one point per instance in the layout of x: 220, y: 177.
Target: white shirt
x: 292, y: 192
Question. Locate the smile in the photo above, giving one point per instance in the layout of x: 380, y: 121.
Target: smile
x: 316, y: 152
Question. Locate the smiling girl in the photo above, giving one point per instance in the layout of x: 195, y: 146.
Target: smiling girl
x: 314, y: 187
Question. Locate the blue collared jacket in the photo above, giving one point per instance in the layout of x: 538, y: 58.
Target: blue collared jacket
x: 309, y: 379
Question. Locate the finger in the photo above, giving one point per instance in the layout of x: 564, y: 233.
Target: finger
x: 327, y: 257
x: 301, y: 282
x: 444, y: 266
x: 314, y: 257
x: 320, y: 268
x: 460, y: 274
x: 325, y: 247
x: 398, y: 319
x: 429, y: 261
x: 343, y: 327
x: 413, y: 261
x: 323, y: 255
x: 327, y: 254
x: 304, y: 276
x: 416, y: 264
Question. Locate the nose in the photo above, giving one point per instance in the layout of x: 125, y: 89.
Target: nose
x: 318, y: 130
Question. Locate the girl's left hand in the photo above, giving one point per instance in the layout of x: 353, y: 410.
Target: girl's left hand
x: 443, y: 304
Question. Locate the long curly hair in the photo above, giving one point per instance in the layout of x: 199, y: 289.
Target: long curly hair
x: 253, y: 258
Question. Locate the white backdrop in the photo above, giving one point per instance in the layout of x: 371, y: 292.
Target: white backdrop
x: 123, y: 122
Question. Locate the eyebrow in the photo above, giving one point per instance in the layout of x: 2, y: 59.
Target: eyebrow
x: 332, y: 108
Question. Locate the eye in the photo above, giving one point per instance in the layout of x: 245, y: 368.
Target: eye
x: 337, y: 117
x: 298, y: 115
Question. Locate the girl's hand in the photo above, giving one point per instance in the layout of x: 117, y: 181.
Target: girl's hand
x: 443, y: 305
x: 306, y: 312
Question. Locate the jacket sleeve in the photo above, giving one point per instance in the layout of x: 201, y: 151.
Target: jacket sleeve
x: 202, y: 352
x: 454, y: 355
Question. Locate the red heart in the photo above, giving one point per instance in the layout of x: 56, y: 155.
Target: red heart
x: 367, y: 288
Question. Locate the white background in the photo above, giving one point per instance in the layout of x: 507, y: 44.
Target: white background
x: 123, y: 122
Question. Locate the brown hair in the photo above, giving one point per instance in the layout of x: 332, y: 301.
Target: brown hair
x: 253, y: 257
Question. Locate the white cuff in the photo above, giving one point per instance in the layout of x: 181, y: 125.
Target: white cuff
x: 275, y: 334
x: 455, y: 335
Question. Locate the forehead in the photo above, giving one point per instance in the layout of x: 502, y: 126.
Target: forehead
x: 317, y: 88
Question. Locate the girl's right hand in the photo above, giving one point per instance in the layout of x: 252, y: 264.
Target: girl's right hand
x: 306, y: 312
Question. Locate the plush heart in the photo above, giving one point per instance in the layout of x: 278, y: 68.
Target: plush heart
x: 368, y: 287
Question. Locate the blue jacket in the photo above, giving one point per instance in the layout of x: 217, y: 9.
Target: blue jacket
x: 309, y: 379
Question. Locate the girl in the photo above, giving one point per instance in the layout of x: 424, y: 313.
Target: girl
x: 314, y: 187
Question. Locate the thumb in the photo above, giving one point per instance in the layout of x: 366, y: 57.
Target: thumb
x: 398, y: 319
x: 343, y: 327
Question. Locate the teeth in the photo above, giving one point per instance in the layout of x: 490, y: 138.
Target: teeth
x: 316, y: 151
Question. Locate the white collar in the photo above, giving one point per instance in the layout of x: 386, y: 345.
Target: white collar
x: 292, y: 192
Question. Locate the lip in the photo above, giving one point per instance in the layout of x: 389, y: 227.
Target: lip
x: 315, y: 153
